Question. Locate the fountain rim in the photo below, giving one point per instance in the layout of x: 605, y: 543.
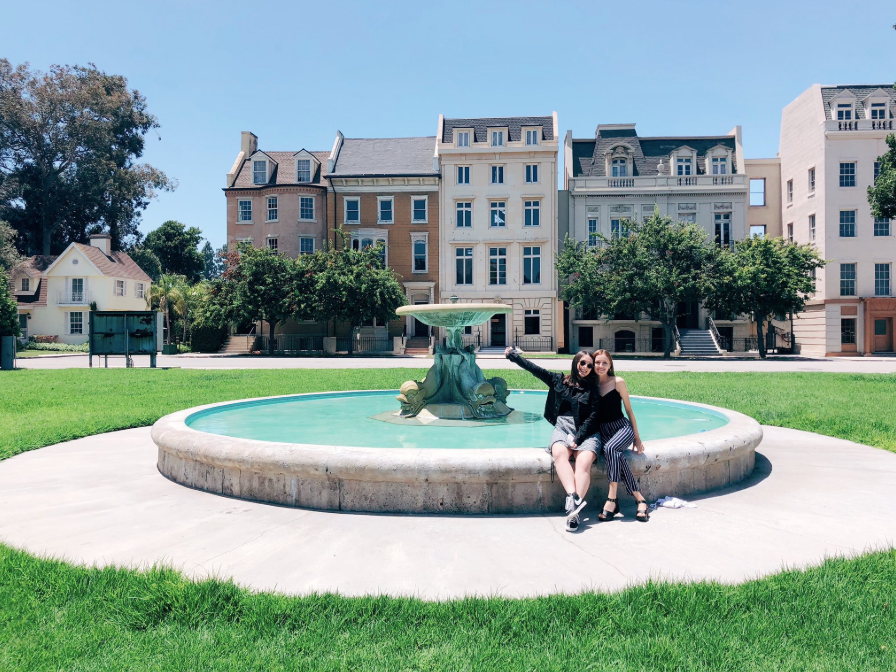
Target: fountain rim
x: 495, y: 308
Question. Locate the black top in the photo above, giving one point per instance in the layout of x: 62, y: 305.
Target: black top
x: 579, y: 402
x: 610, y: 409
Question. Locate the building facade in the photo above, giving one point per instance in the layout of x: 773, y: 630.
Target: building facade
x: 498, y: 234
x: 764, y: 207
x: 617, y: 176
x: 831, y: 138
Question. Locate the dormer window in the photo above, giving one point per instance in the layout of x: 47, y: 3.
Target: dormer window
x: 878, y: 110
x: 303, y: 170
x: 532, y: 137
x: 497, y: 138
x: 844, y: 111
x: 26, y: 285
x: 463, y: 138
x: 259, y: 172
x: 620, y: 168
x: 720, y: 165
x: 683, y: 166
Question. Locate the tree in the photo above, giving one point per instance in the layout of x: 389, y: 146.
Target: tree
x: 148, y: 262
x: 166, y: 296
x: 9, y: 255
x: 882, y: 194
x: 650, y: 268
x: 9, y: 310
x: 177, y: 248
x: 69, y: 141
x: 352, y: 286
x: 764, y: 277
x: 213, y: 263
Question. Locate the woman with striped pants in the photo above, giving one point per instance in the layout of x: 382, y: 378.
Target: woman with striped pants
x: 616, y: 434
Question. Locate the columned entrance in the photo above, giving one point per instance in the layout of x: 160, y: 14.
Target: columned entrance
x: 880, y: 320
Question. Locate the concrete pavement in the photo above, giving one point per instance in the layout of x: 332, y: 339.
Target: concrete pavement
x: 100, y: 500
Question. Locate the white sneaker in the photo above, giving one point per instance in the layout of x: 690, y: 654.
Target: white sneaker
x: 570, y: 503
x: 577, y: 505
x: 572, y: 523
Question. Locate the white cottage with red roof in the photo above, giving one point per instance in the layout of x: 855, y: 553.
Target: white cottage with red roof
x: 54, y: 294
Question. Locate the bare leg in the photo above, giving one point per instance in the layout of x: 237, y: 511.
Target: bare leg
x: 584, y: 460
x: 564, y: 469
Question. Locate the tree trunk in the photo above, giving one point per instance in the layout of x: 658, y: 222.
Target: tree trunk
x: 667, y: 340
x: 271, y: 339
x: 760, y: 336
x: 351, y: 339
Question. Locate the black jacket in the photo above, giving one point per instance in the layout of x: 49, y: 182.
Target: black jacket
x: 583, y: 401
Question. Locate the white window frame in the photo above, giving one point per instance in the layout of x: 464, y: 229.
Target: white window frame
x: 119, y: 288
x: 264, y: 166
x: 854, y: 223
x: 379, y: 209
x: 425, y: 219
x: 811, y: 176
x: 531, y: 173
x: 884, y: 265
x: 496, y: 137
x: 844, y: 111
x: 71, y: 322
x: 493, y: 208
x: 530, y: 313
x: 25, y: 284
x: 239, y: 211
x: 139, y: 290
x: 812, y: 225
x: 875, y: 106
x: 496, y: 170
x: 682, y: 163
x: 462, y: 137
x: 345, y: 201
x: 497, y: 258
x: 276, y: 208
x: 465, y: 206
x: 757, y: 233
x: 854, y: 279
x: 531, y: 257
x: 303, y: 239
x: 619, y: 167
x: 853, y: 176
x: 463, y: 172
x: 789, y: 191
x: 720, y: 164
x: 416, y: 238
x: 879, y: 224
x: 593, y: 230
x: 310, y: 171
x: 465, y: 258
x: 532, y: 136
x: 313, y: 217
x: 531, y: 212
x: 790, y: 232
x: 273, y: 247
x: 376, y: 235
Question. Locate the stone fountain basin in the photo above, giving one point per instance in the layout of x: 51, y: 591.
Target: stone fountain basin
x: 403, y: 480
x: 455, y: 314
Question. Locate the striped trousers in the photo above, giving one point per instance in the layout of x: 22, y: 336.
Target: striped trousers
x: 616, y: 436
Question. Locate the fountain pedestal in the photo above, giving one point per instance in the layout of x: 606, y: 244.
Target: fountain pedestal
x: 455, y: 387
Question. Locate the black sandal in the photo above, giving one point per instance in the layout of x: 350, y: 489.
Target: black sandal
x: 644, y: 515
x: 608, y: 514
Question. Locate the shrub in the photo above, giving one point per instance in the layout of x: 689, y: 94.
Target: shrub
x: 38, y: 338
x: 207, y: 338
x: 55, y: 347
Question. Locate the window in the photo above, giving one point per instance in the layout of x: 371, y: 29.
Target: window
x: 259, y: 172
x: 272, y: 244
x: 532, y: 173
x: 497, y: 138
x: 463, y: 174
x: 847, y: 223
x: 811, y: 228
x: 497, y: 174
x: 306, y: 208
x: 880, y: 327
x: 464, y: 214
x: 118, y: 289
x: 532, y: 213
x: 881, y: 279
x: 719, y: 165
x: 757, y: 231
x: 723, y: 229
x: 812, y: 180
x: 790, y: 191
x: 684, y: 166
x: 586, y: 337
x: 139, y: 290
x: 532, y: 137
x: 420, y: 255
x: 876, y: 170
x: 303, y: 170
x: 848, y: 174
x: 847, y: 279
x: 26, y: 285
x: 592, y: 232
x: 352, y: 210
x: 497, y: 213
x: 497, y: 266
x: 245, y: 208
x: 463, y: 138
x: 306, y: 245
x: 464, y: 259
x: 688, y: 217
x: 531, y: 265
x: 532, y: 322
x: 878, y: 110
x: 844, y: 112
x: 848, y: 331
x: 76, y: 323
x: 385, y: 209
x: 790, y: 232
x: 620, y: 168
x: 272, y: 208
x: 881, y: 226
x: 365, y: 243
x: 418, y: 209
x: 77, y: 290
x: 757, y: 193
x: 618, y: 227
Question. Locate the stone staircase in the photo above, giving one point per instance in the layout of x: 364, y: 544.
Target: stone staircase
x: 698, y: 343
x: 417, y: 346
x: 238, y: 344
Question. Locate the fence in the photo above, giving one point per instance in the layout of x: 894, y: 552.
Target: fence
x: 364, y: 344
x: 617, y: 345
x: 291, y: 343
x: 534, y: 343
x: 749, y: 344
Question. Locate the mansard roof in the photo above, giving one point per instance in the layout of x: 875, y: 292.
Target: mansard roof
x: 860, y: 91
x: 514, y: 126
x: 386, y: 156
x: 284, y: 172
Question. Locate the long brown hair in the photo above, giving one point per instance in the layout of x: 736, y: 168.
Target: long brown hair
x: 610, y: 371
x: 574, y: 379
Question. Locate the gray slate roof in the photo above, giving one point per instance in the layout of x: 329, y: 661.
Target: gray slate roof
x: 514, y: 127
x: 860, y: 91
x: 386, y: 156
x: 588, y: 156
x: 284, y: 170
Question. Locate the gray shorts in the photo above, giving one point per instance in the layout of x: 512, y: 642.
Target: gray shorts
x: 566, y: 426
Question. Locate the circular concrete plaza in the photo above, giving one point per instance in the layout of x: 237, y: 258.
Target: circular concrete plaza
x: 101, y: 500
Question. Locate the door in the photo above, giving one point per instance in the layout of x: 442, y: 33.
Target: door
x: 23, y: 326
x: 688, y: 314
x: 883, y: 335
x: 420, y: 330
x: 499, y: 331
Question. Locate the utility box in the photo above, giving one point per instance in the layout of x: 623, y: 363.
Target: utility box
x: 124, y: 332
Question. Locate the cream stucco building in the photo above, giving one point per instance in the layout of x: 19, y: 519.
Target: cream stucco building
x: 831, y: 138
x: 498, y: 224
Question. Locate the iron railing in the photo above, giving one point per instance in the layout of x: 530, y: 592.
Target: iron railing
x: 715, y: 332
x: 360, y: 344
x: 676, y: 338
x: 532, y: 343
x: 290, y: 343
x: 624, y: 344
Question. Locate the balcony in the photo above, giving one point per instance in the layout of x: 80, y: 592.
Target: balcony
x: 83, y: 298
x: 660, y: 183
x: 835, y: 126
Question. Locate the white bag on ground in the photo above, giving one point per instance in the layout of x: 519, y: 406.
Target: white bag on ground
x: 673, y: 503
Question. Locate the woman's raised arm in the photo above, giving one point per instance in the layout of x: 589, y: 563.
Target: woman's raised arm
x: 545, y: 376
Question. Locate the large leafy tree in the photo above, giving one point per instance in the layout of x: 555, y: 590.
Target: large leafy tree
x: 764, y: 277
x: 177, y: 248
x: 148, y: 262
x: 882, y: 194
x: 69, y: 144
x: 214, y: 262
x: 167, y: 295
x: 9, y: 255
x: 650, y: 269
x: 9, y: 312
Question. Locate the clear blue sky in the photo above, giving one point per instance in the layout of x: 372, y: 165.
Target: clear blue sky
x: 295, y: 72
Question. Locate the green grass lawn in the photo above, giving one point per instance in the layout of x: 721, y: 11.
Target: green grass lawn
x: 53, y: 616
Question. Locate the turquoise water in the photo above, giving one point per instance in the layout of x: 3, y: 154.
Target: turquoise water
x: 344, y: 419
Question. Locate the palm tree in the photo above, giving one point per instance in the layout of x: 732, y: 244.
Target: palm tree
x: 167, y: 295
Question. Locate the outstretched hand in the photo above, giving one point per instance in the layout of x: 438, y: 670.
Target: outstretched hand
x: 508, y: 350
x: 639, y: 446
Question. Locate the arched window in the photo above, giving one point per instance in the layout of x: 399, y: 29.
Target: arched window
x: 625, y: 341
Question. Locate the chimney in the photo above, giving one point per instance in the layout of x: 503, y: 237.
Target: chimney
x: 102, y: 241
x: 248, y: 143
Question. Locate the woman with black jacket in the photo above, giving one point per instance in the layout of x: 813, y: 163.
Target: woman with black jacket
x: 572, y: 408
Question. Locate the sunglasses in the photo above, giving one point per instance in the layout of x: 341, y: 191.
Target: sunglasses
x: 586, y: 365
